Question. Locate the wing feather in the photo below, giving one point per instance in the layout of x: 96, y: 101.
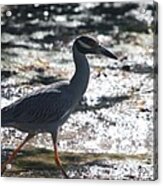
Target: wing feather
x: 44, y: 106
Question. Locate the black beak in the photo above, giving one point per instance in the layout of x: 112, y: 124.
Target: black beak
x: 107, y: 53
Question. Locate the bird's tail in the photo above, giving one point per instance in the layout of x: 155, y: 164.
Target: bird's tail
x: 6, y: 117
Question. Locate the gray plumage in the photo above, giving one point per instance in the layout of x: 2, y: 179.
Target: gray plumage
x: 41, y: 111
x: 48, y: 108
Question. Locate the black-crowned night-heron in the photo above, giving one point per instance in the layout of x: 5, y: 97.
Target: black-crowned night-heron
x: 48, y: 108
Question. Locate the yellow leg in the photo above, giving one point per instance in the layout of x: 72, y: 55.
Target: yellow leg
x: 13, y: 155
x: 56, y: 156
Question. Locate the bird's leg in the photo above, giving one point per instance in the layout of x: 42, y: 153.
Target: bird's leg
x: 56, y: 156
x: 13, y: 155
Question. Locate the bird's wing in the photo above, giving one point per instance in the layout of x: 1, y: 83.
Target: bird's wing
x: 44, y: 106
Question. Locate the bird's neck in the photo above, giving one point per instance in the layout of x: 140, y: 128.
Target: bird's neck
x: 80, y: 78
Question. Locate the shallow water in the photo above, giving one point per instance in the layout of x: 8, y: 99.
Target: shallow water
x: 116, y: 113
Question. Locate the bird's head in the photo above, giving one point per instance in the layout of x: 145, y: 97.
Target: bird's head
x: 88, y: 45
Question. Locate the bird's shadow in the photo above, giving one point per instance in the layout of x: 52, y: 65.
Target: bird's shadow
x: 40, y: 163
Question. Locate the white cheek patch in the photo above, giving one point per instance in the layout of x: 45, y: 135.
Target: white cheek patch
x: 84, y: 45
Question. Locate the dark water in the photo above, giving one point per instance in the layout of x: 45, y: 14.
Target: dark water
x: 60, y: 23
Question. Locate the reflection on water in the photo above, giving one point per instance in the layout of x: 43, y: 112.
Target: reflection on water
x: 61, y: 22
x: 116, y: 113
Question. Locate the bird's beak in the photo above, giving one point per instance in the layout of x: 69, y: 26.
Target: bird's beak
x: 106, y: 52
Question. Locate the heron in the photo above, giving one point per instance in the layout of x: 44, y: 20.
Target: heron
x: 48, y: 108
